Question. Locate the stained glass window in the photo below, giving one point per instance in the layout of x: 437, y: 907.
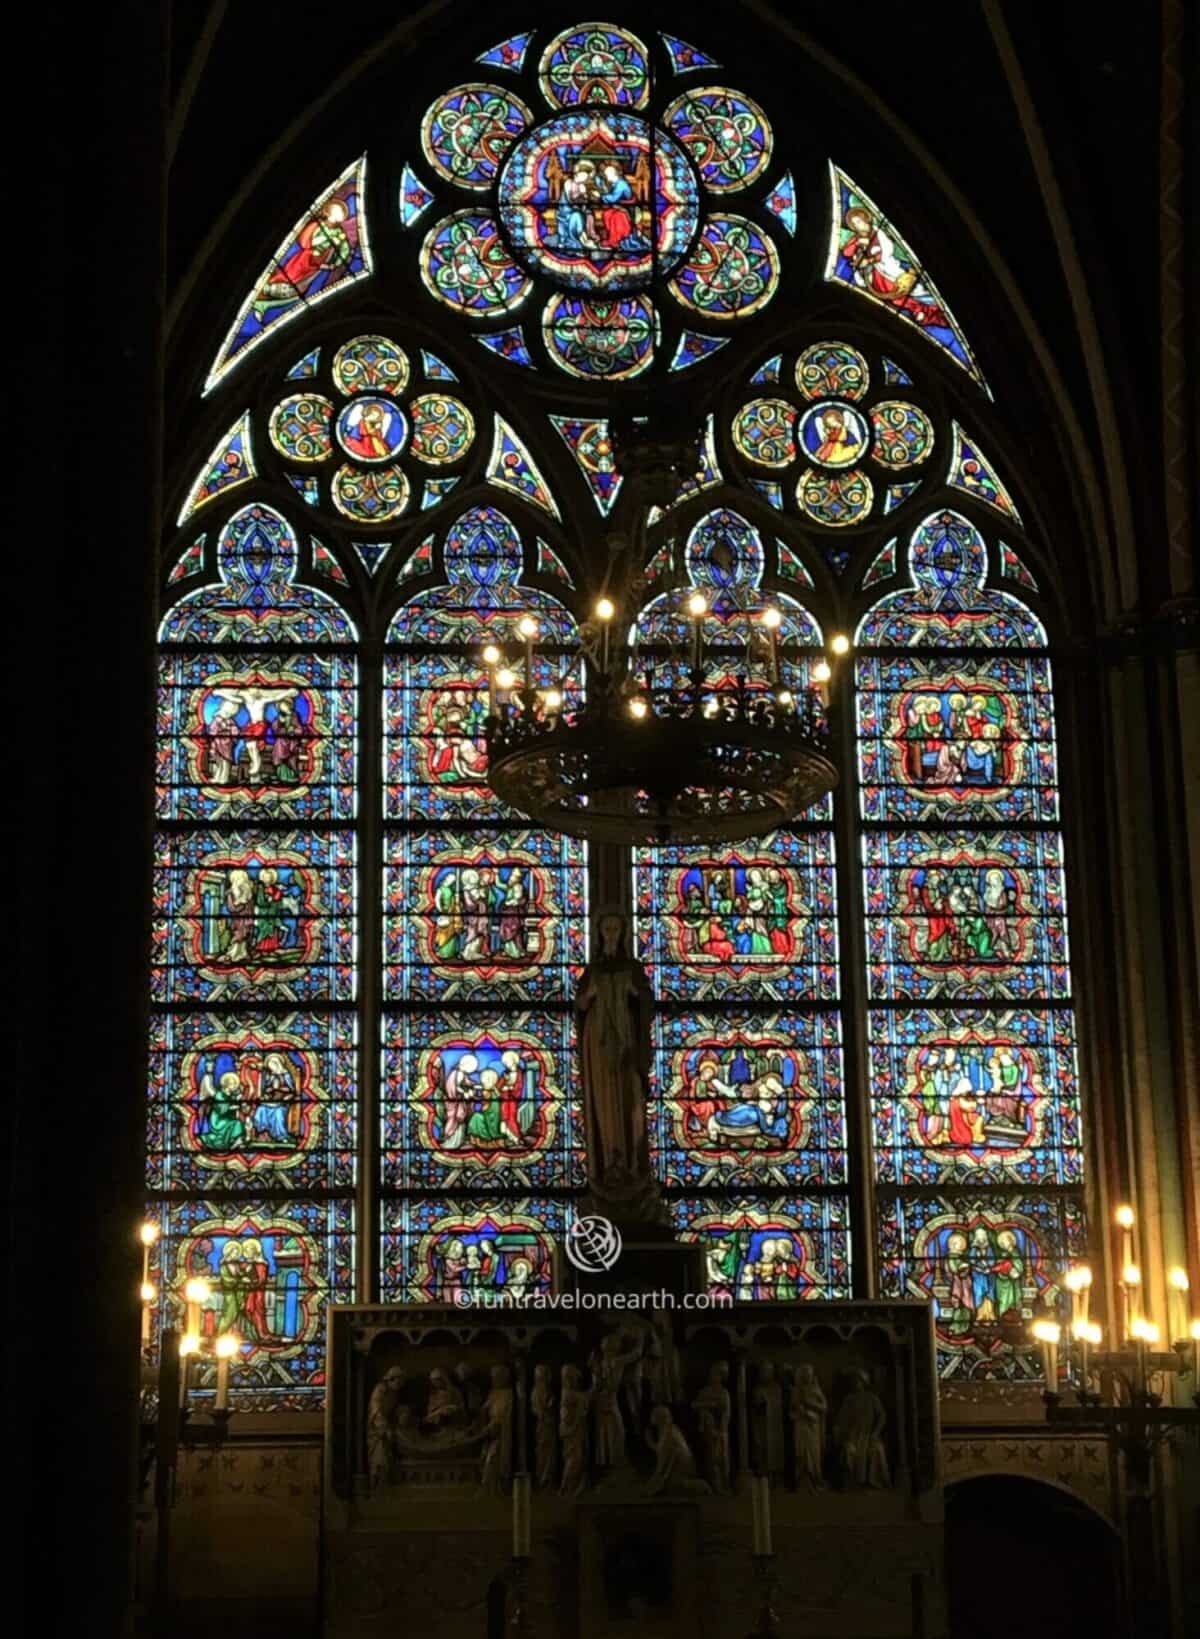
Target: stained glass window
x: 484, y: 940
x: 975, y: 1108
x: 252, y: 1114
x: 747, y: 1121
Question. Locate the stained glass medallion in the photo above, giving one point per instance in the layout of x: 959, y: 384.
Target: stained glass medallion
x: 370, y: 497
x: 770, y: 1248
x: 832, y: 434
x: 574, y: 200
x: 465, y: 264
x: 902, y: 434
x: 724, y: 132
x: 832, y: 368
x: 371, y: 429
x: 764, y: 431
x: 370, y: 364
x: 467, y: 132
x: 596, y: 338
x: 595, y: 63
x: 836, y: 500
x: 300, y: 425
x: 443, y: 429
x: 731, y: 271
x: 436, y: 1250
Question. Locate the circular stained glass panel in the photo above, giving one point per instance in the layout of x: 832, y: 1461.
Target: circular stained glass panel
x: 575, y: 200
x: 903, y: 434
x: 600, y: 340
x: 831, y: 367
x: 370, y: 364
x: 466, y: 264
x: 726, y: 135
x: 467, y: 132
x: 732, y: 270
x: 372, y: 429
x: 299, y: 427
x: 595, y: 63
x: 835, y: 499
x: 370, y: 497
x: 833, y: 435
x: 443, y: 429
x: 765, y: 431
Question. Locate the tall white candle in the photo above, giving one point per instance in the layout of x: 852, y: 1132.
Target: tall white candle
x: 521, y: 1522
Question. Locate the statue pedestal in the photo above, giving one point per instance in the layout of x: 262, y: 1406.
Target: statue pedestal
x: 647, y: 1264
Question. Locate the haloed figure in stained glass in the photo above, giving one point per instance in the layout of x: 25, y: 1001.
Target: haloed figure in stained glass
x: 877, y: 267
x: 322, y: 245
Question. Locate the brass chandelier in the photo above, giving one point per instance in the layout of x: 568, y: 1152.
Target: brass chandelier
x: 713, y: 729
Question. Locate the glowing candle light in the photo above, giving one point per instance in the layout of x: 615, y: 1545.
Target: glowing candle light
x: 637, y: 707
x: 148, y: 1235
x: 196, y: 1293
x: 189, y: 1345
x: 1179, y: 1286
x: 1047, y: 1333
x: 605, y: 610
x: 1194, y: 1330
x: 840, y: 644
x: 148, y: 1294
x: 771, y: 619
x: 1131, y: 1280
x: 697, y: 608
x: 227, y: 1346
x: 1125, y: 1220
x: 528, y: 628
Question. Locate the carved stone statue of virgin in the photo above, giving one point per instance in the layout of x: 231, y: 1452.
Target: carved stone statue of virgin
x: 615, y: 1010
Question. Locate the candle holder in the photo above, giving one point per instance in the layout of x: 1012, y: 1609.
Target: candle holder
x: 1135, y: 1418
x: 204, y: 1427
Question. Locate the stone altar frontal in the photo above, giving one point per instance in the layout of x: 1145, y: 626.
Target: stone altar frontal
x: 640, y: 1430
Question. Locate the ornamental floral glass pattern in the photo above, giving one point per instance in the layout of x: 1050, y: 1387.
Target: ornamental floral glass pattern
x: 252, y: 1110
x: 975, y: 1104
x: 741, y: 945
x: 484, y: 943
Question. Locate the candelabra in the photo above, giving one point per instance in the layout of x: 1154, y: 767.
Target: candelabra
x: 766, y: 1622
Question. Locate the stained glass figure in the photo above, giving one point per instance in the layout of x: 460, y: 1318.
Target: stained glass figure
x: 263, y: 736
x: 764, y: 431
x: 769, y: 373
x: 306, y: 366
x: 867, y: 254
x: 435, y: 1250
x: 230, y: 464
x: 902, y: 435
x: 771, y: 492
x: 415, y: 198
x: 370, y: 497
x: 832, y: 434
x: 248, y: 1102
x: 896, y: 494
x: 328, y: 250
x: 271, y: 1268
x: 685, y: 57
x: 372, y: 429
x: 371, y: 364
x: 509, y: 53
x: 883, y: 565
x: 465, y: 264
x: 749, y: 1101
x: 731, y: 271
x: 833, y: 499
x: 418, y: 563
x: 971, y: 472
x: 435, y: 491
x: 595, y: 63
x: 256, y: 600
x: 832, y: 368
x: 600, y: 339
x: 435, y: 369
x: 692, y: 347
x: 789, y: 566
x: 549, y: 563
x: 307, y: 487
x: 580, y: 195
x: 781, y: 202
x: 467, y: 132
x: 371, y: 554
x: 191, y: 561
x: 1012, y: 567
x: 726, y: 135
x: 590, y: 442
x: 299, y: 427
x: 893, y: 375
x: 509, y: 344
x: 770, y: 1249
x: 511, y: 467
